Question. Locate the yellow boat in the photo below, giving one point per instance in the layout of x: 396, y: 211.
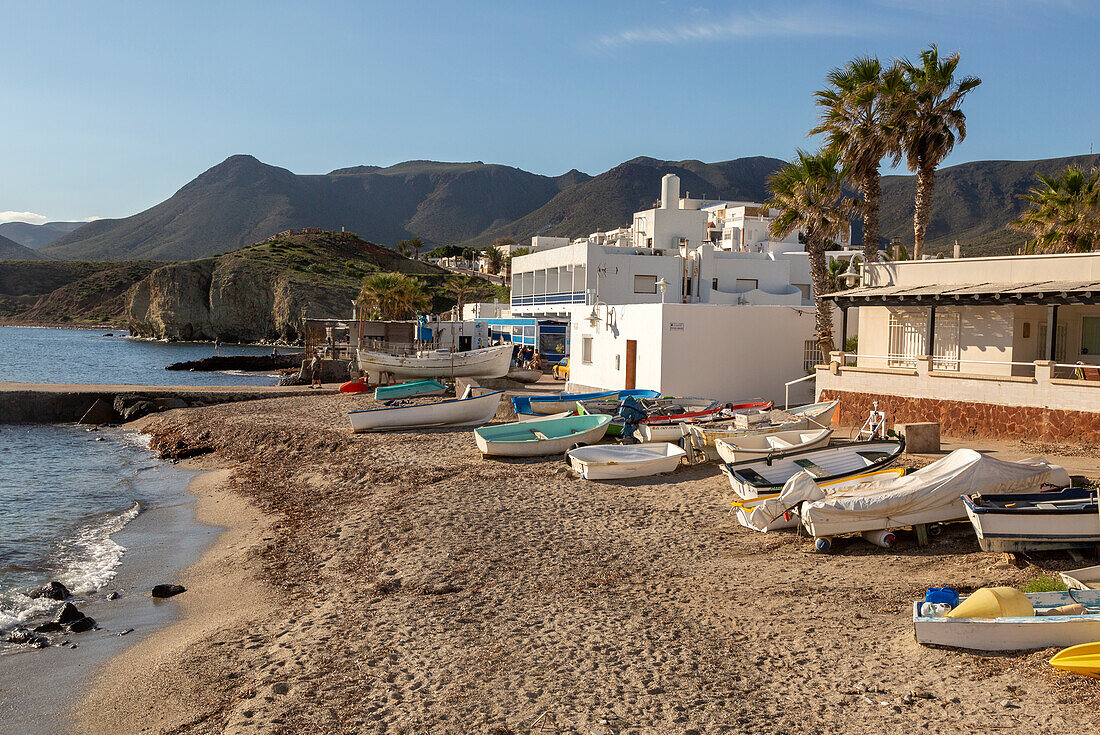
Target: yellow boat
x: 1083, y: 659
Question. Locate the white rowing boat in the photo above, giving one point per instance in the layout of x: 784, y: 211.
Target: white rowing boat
x: 470, y: 410
x: 775, y: 444
x: 1045, y: 521
x: 766, y: 476
x: 618, y: 461
x: 540, y: 437
x: 813, y: 416
x: 490, y: 362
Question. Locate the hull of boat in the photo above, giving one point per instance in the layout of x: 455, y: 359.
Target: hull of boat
x: 776, y: 444
x: 1086, y: 578
x: 1028, y: 526
x: 491, y: 362
x: 410, y: 389
x: 540, y: 437
x: 625, y: 461
x: 814, y: 416
x: 525, y: 376
x: 458, y: 412
x: 1015, y: 634
x: 761, y: 477
x: 1083, y: 659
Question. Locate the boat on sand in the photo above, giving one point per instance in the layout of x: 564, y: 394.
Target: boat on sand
x: 470, y: 410
x: 554, y: 402
x: 776, y: 444
x: 540, y: 437
x: 764, y: 476
x: 1063, y: 519
x: 409, y: 389
x: 489, y: 362
x: 617, y: 461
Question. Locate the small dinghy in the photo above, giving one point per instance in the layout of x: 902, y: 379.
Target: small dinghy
x: 1052, y: 623
x: 524, y: 376
x: 1064, y: 519
x: 540, y: 437
x: 803, y: 418
x: 489, y: 362
x: 470, y: 410
x: 553, y: 403
x: 617, y: 461
x: 774, y: 445
x: 1086, y: 578
x: 764, y: 476
x: 409, y: 389
x: 1083, y: 659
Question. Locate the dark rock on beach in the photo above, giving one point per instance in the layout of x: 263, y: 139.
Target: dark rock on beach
x: 52, y: 591
x: 50, y: 627
x: 23, y: 636
x: 81, y: 625
x: 167, y: 590
x: 137, y: 410
x: 112, y: 596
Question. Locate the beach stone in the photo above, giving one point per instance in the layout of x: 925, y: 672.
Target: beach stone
x: 280, y: 688
x: 167, y: 590
x: 67, y: 614
x: 112, y: 596
x: 79, y: 626
x: 441, y: 588
x: 25, y: 637
x: 99, y: 412
x: 139, y: 409
x: 52, y: 591
x: 51, y: 627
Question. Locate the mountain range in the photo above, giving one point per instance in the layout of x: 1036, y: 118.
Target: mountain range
x: 11, y: 250
x: 242, y: 200
x: 35, y: 236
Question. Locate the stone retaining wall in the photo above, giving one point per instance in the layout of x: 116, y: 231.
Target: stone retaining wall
x: 970, y: 418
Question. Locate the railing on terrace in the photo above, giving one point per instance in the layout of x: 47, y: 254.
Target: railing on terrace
x: 546, y: 299
x: 941, y: 365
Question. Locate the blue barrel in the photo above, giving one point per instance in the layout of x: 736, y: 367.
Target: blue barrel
x: 823, y: 544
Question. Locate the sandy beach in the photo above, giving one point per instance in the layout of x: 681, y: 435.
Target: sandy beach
x: 401, y: 583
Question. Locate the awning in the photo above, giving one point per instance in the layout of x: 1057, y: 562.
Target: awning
x: 1038, y: 293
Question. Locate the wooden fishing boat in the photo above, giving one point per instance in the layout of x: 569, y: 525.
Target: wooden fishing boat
x: 771, y: 512
x: 409, y: 389
x: 763, y: 476
x: 1083, y: 659
x: 931, y: 494
x: 813, y: 416
x: 470, y: 410
x: 618, y: 461
x: 490, y: 362
x: 1016, y: 633
x: 1086, y: 578
x: 540, y: 437
x: 553, y: 403
x: 524, y: 376
x: 775, y: 444
x: 1064, y: 519
x: 672, y: 427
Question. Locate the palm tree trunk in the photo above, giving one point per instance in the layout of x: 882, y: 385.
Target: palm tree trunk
x: 819, y: 276
x: 926, y: 181
x: 872, y: 194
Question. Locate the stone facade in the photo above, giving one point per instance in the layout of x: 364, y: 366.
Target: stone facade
x: 961, y: 418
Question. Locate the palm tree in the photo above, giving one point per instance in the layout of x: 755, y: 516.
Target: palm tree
x: 394, y: 296
x: 496, y: 258
x: 855, y: 119
x: 808, y: 194
x: 1065, y: 212
x: 464, y: 287
x: 927, y: 122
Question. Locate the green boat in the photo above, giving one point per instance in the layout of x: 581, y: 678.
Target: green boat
x: 540, y: 437
x: 410, y: 389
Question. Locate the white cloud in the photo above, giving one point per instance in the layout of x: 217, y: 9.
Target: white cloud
x: 31, y: 217
x: 798, y: 22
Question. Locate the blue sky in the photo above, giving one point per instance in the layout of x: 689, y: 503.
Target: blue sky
x: 110, y: 107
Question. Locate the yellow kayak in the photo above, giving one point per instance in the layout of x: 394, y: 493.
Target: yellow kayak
x: 1083, y: 659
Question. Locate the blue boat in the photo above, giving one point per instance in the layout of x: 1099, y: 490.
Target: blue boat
x: 409, y: 389
x: 556, y: 402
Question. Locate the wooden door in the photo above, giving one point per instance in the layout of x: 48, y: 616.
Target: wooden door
x: 631, y: 362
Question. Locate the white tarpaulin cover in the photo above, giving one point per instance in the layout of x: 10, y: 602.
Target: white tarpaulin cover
x: 765, y: 514
x: 929, y: 495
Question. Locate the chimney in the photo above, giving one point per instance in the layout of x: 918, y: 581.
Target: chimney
x: 958, y: 250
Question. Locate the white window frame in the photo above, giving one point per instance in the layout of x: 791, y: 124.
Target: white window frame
x: 586, y: 349
x: 907, y: 331
x: 645, y: 289
x: 811, y: 355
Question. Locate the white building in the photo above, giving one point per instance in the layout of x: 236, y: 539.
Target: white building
x: 485, y: 310
x: 721, y: 352
x: 703, y: 252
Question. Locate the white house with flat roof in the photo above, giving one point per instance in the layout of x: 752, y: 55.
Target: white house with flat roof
x: 674, y: 253
x: 999, y: 346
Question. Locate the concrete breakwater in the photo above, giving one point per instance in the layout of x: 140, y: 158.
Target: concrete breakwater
x: 42, y: 403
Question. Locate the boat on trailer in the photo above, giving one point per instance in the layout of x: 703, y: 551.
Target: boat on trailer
x: 488, y: 362
x: 776, y: 444
x: 619, y: 461
x: 1063, y: 519
x: 1041, y: 630
x: 470, y: 410
x: 540, y: 437
x: 767, y: 476
x: 409, y: 389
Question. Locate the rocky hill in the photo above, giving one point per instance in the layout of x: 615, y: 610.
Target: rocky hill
x: 263, y: 291
x: 11, y: 250
x: 35, y: 236
x: 62, y: 292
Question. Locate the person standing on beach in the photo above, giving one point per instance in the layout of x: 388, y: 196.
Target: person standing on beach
x: 315, y: 371
x: 217, y: 346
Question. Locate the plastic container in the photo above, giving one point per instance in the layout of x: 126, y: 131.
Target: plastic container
x: 934, y: 609
x: 942, y: 594
x: 823, y: 544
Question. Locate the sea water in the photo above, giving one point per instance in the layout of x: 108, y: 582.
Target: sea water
x: 65, y: 492
x: 83, y: 356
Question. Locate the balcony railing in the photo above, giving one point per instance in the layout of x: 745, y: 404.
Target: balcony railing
x: 548, y: 299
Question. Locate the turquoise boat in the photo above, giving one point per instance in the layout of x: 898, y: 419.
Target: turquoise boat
x: 539, y: 437
x: 407, y: 390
